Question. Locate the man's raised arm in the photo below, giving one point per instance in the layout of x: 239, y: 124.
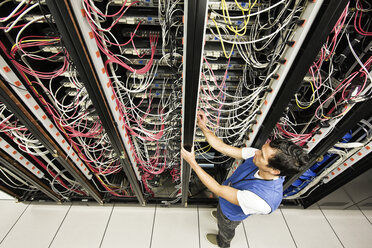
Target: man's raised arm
x: 216, y: 142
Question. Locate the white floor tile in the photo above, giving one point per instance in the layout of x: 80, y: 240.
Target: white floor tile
x: 351, y: 226
x: 10, y: 212
x: 83, y: 227
x: 209, y: 225
x: 368, y: 214
x: 129, y: 227
x: 175, y: 227
x: 265, y: 231
x: 366, y: 207
x: 310, y: 228
x: 36, y: 228
x: 5, y: 196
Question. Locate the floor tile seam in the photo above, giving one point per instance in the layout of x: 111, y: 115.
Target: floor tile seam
x: 153, y: 226
x: 289, y: 229
x: 245, y: 233
x: 15, y: 223
x: 334, y: 231
x: 356, y: 204
x: 351, y: 199
x: 199, y: 230
x: 55, y: 235
x: 364, y: 215
x: 107, y: 224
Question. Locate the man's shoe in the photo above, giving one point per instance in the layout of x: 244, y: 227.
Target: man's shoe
x: 212, y: 238
x: 214, y: 215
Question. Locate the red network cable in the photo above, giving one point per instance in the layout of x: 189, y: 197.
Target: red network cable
x: 19, y: 12
x: 115, y: 60
x: 175, y: 173
x: 344, y: 84
x: 315, y: 68
x: 38, y: 74
x: 151, y: 136
x: 299, y: 139
x: 17, y: 26
x: 101, y: 40
x: 56, y: 120
x: 220, y: 87
x: 145, y: 177
x: 113, y: 15
x: 357, y: 21
x: 92, y: 132
x: 337, y: 30
x: 26, y: 43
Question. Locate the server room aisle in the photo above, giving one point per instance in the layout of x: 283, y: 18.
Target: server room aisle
x: 70, y: 226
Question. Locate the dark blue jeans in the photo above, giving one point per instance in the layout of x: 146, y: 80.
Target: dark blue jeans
x: 226, y: 229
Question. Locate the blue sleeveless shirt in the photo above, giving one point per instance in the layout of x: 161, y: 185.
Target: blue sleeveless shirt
x: 271, y: 191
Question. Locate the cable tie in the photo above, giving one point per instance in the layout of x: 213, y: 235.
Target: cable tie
x: 275, y: 76
x: 290, y: 43
x: 282, y: 61
x: 300, y: 22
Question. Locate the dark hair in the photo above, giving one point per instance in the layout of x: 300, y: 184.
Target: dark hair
x: 289, y: 158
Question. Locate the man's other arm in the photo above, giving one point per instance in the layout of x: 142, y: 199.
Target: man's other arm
x: 216, y: 142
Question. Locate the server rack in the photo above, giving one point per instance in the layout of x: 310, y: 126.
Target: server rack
x: 111, y: 118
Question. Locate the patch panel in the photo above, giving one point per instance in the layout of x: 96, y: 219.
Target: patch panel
x: 143, y: 33
x: 136, y: 19
x: 142, y: 51
x: 160, y: 74
x: 215, y: 65
x: 162, y: 62
x: 219, y: 76
x: 212, y: 37
x: 230, y: 5
x: 140, y: 3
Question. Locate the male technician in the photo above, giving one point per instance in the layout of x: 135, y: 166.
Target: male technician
x: 256, y: 187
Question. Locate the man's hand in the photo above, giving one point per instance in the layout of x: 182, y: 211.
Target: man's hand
x: 216, y: 142
x: 202, y: 120
x: 229, y: 193
x: 189, y: 157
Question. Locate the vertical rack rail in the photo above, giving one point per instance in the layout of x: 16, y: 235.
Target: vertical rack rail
x: 196, y: 18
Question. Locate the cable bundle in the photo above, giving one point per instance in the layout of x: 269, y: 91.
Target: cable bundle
x: 65, y: 99
x: 147, y: 100
x: 233, y: 84
x: 25, y: 141
x: 337, y: 79
x: 326, y: 93
x: 358, y: 18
